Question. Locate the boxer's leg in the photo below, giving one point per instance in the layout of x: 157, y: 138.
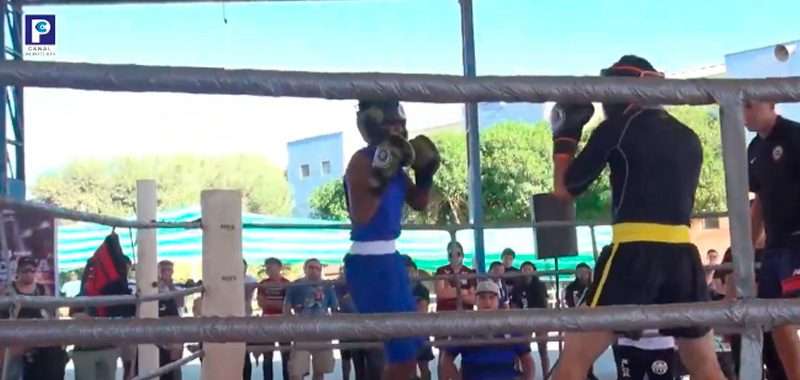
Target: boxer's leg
x: 380, y: 284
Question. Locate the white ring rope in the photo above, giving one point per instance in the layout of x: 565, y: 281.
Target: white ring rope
x: 405, y: 87
x: 743, y: 313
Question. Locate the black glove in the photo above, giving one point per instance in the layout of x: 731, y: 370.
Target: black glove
x: 390, y: 155
x: 426, y: 163
x: 567, y: 121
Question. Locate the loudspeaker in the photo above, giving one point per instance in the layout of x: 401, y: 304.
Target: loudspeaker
x: 553, y: 242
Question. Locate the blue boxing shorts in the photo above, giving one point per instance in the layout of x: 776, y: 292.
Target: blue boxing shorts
x: 378, y: 283
x: 779, y: 276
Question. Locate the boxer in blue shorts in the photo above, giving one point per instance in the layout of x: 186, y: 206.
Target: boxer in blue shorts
x: 774, y: 157
x: 377, y: 187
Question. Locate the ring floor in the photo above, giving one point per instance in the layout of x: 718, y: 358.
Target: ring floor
x: 604, y: 367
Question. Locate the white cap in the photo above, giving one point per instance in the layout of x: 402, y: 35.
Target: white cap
x: 488, y: 287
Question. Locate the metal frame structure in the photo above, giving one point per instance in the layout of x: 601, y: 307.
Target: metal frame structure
x: 431, y: 88
x: 11, y: 97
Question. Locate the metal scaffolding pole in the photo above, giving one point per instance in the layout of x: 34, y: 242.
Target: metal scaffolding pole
x: 473, y: 139
x: 734, y: 158
x: 14, y: 94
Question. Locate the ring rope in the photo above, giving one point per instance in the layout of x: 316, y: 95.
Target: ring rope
x: 62, y: 213
x: 404, y: 87
x: 83, y: 301
x: 171, y: 366
x: 746, y: 312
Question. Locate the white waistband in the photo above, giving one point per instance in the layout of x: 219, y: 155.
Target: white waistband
x: 379, y: 247
x: 652, y: 343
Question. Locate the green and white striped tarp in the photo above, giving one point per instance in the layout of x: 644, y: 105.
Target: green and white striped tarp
x: 77, y: 242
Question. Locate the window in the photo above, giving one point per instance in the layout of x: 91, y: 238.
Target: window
x: 711, y: 223
x: 305, y: 171
x: 326, y: 167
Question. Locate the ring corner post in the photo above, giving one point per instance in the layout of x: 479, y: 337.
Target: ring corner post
x: 473, y: 139
x: 734, y: 157
x: 223, y: 276
x: 146, y: 267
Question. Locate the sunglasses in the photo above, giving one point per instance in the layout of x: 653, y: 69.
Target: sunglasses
x: 28, y: 270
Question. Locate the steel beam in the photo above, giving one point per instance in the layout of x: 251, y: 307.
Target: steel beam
x: 473, y: 139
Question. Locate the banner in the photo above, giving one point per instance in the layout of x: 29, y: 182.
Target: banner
x: 31, y: 235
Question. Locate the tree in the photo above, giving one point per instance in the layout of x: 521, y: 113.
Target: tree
x: 328, y: 201
x: 109, y: 187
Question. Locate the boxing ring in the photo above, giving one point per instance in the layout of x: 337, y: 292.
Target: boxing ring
x: 224, y: 327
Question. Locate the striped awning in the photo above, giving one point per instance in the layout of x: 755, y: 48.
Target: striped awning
x: 77, y: 242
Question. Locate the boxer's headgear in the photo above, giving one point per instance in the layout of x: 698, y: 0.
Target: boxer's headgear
x: 374, y: 116
x: 628, y: 66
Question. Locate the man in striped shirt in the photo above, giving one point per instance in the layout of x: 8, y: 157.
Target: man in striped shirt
x: 494, y: 362
x: 270, y: 300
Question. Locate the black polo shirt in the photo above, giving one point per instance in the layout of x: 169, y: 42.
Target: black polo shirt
x: 774, y: 170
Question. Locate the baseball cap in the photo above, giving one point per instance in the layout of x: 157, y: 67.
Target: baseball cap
x: 488, y: 287
x: 27, y: 261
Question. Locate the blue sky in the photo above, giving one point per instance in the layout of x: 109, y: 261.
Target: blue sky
x: 539, y: 37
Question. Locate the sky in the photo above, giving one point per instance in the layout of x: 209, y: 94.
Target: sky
x: 513, y: 37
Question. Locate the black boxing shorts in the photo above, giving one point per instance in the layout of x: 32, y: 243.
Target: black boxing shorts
x: 636, y: 363
x: 650, y: 264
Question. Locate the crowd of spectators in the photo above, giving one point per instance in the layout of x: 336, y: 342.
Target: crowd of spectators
x: 277, y: 295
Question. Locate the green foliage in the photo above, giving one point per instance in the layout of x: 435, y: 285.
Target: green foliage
x: 705, y: 122
x: 328, y: 201
x: 109, y: 187
x: 516, y: 163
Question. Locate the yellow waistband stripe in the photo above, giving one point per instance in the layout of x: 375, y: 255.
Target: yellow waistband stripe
x: 659, y: 233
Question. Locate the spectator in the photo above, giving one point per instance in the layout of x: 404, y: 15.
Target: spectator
x: 72, y: 287
x: 34, y: 363
x: 489, y: 362
x: 128, y: 352
x: 170, y: 353
x: 423, y: 298
x: 270, y: 300
x: 574, y: 296
x: 498, y: 268
x: 530, y: 293
x: 313, y: 300
x: 249, y: 290
x: 367, y: 363
x: 447, y: 291
x: 715, y: 284
x: 507, y: 257
x: 576, y: 290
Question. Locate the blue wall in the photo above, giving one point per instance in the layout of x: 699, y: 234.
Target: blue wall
x: 313, y: 152
x: 761, y: 63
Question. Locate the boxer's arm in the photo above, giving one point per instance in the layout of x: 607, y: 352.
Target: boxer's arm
x: 363, y: 203
x: 448, y: 366
x: 580, y: 172
x: 528, y: 367
x: 416, y: 197
x: 756, y: 220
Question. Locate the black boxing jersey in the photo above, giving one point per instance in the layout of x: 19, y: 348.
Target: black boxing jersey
x: 774, y: 170
x: 655, y: 163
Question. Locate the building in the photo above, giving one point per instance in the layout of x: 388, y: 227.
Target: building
x: 781, y: 60
x: 316, y: 160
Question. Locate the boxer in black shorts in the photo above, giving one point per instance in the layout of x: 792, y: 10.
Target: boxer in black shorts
x: 774, y: 157
x: 655, y: 163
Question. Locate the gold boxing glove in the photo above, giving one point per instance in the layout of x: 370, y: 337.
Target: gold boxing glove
x: 427, y: 161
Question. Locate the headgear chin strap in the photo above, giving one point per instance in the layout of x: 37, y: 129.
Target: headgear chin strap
x: 373, y: 117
